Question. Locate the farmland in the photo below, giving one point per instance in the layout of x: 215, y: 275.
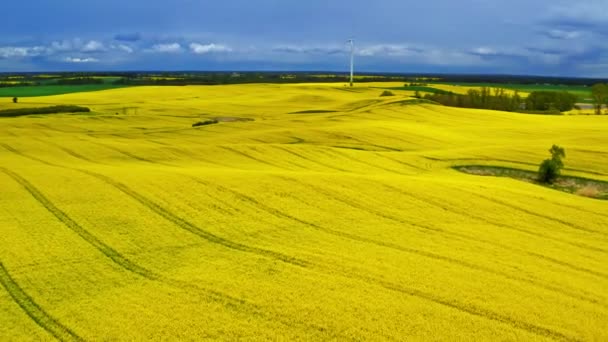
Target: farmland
x: 47, y: 90
x: 304, y: 212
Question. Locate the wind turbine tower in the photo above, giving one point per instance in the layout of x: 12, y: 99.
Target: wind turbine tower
x: 352, y: 60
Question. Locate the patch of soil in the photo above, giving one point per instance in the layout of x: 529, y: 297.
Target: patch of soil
x: 574, y: 185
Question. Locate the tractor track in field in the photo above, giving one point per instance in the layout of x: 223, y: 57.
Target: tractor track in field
x: 157, y: 142
x: 68, y: 151
x: 175, y: 219
x: 33, y: 310
x: 358, y: 206
x: 521, y: 230
x: 382, y: 155
x: 83, y: 233
x: 134, y: 268
x: 308, y: 159
x: 569, y: 265
x: 578, y: 245
x: 345, y: 155
x: 106, y: 250
x: 578, y: 208
x: 192, y: 228
x: 532, y: 213
x: 130, y: 155
x: 412, y: 292
x: 476, y: 267
x: 288, y: 161
x: 243, y: 154
x: 334, y: 154
x: 260, y: 141
x: 21, y: 154
x: 473, y: 310
x: 491, y: 243
x: 177, y: 151
x: 498, y: 224
x: 398, y: 288
x: 362, y: 142
x: 195, y: 156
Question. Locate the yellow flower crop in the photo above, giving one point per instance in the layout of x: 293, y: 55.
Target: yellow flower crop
x: 307, y: 212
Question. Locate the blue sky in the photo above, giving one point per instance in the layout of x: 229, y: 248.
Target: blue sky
x: 542, y: 37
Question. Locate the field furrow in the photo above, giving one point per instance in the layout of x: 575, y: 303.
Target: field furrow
x: 307, y: 212
x: 34, y: 311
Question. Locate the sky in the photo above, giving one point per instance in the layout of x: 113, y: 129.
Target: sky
x: 532, y: 37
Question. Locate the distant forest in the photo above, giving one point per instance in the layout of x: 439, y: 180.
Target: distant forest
x: 540, y: 102
x: 228, y: 77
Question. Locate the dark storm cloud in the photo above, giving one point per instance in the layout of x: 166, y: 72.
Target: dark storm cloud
x: 390, y: 35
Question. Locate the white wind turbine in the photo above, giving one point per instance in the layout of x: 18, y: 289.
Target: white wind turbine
x: 352, y: 60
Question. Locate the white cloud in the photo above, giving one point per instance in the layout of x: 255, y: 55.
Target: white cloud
x: 311, y: 50
x: 123, y: 48
x: 62, y: 46
x: 388, y: 50
x: 80, y: 60
x: 562, y: 34
x: 20, y: 52
x: 202, y: 49
x: 166, y: 48
x: 589, y: 11
x: 485, y: 51
x: 93, y: 46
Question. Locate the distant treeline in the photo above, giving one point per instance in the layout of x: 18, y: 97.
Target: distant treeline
x: 20, y: 84
x: 50, y: 81
x: 548, y: 102
x: 510, y: 79
x: 229, y: 77
x: 79, y: 81
x: 43, y: 110
x: 242, y: 78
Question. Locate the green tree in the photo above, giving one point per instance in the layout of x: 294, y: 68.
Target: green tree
x: 550, y: 100
x: 550, y: 169
x: 599, y: 92
x: 516, y: 102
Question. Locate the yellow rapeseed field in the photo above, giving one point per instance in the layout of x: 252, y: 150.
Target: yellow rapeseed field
x: 309, y: 212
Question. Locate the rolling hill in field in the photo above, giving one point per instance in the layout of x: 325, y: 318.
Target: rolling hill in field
x: 309, y: 211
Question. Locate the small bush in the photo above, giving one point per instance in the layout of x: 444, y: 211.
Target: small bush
x: 550, y: 169
x: 204, y: 123
x: 43, y: 110
x: 387, y: 93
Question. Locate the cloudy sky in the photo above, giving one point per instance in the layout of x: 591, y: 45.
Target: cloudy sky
x: 541, y: 37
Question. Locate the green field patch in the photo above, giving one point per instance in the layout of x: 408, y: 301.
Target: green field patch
x: 9, y: 113
x: 571, y: 184
x: 583, y: 92
x: 49, y: 90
